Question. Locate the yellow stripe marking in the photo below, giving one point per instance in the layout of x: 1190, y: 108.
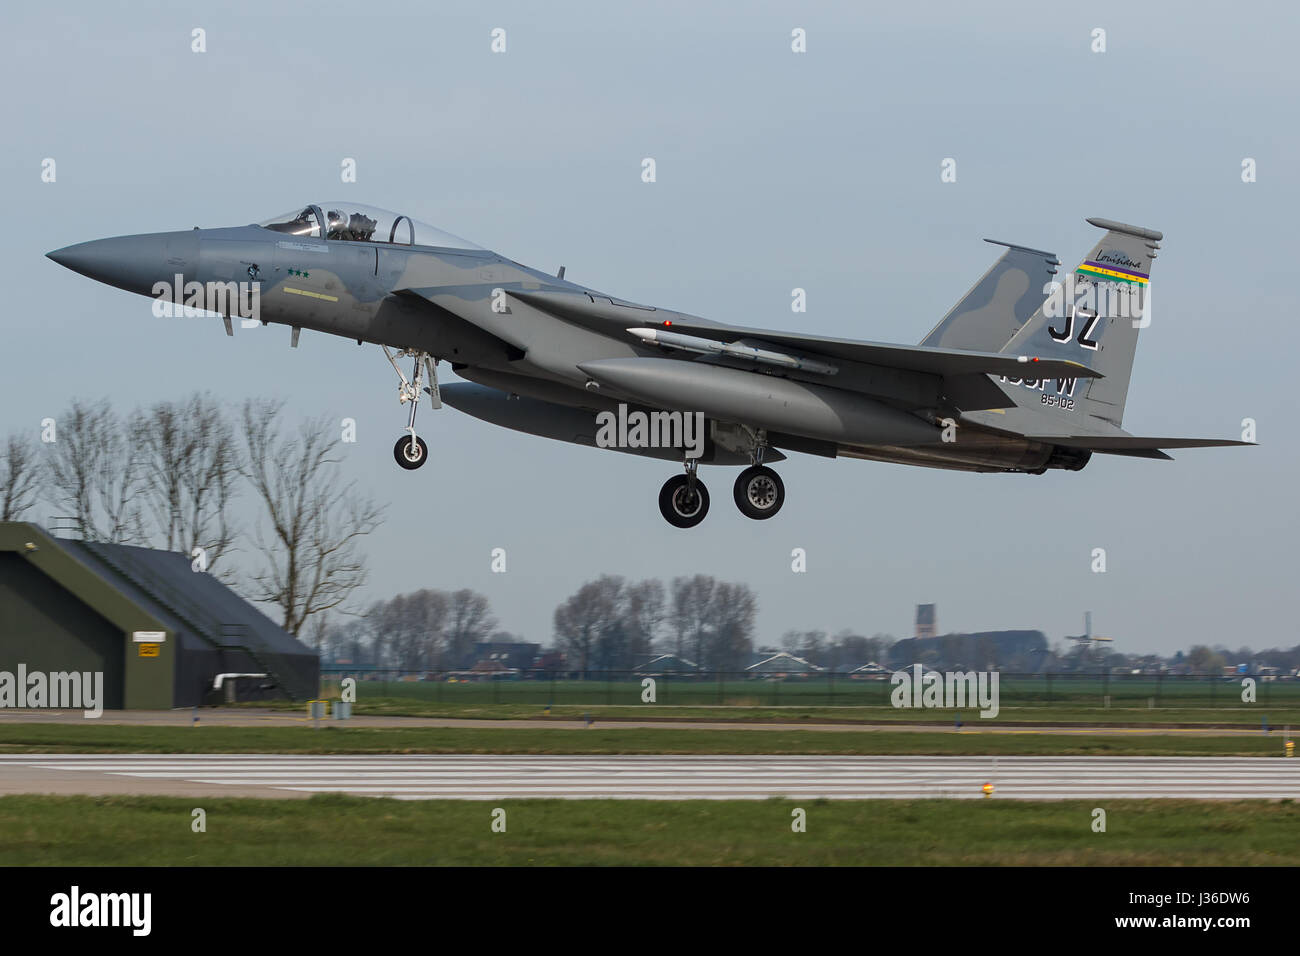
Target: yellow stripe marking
x: 1113, y: 274
x: 312, y: 295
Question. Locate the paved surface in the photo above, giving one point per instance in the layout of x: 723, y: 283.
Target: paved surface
x: 481, y: 777
x: 249, y: 717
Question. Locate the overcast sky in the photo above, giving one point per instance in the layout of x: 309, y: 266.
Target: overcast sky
x: 776, y: 170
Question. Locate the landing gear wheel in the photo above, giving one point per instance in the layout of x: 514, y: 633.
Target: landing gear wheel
x: 410, y: 451
x: 680, y: 506
x: 759, y: 492
x: 410, y: 455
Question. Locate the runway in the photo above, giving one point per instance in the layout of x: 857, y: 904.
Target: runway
x: 484, y: 777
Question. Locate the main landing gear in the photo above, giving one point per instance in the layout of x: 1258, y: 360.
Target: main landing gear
x: 411, y: 451
x: 759, y: 491
x: 683, y: 499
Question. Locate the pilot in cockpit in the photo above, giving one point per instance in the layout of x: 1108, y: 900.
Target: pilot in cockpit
x: 303, y: 224
x: 354, y: 228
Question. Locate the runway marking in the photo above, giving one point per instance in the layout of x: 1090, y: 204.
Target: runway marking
x: 483, y: 777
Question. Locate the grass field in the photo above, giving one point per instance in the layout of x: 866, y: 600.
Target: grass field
x: 354, y: 831
x: 63, y: 738
x: 744, y: 709
x: 1082, y: 692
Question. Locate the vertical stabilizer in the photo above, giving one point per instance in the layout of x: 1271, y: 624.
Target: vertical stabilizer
x: 1093, y: 318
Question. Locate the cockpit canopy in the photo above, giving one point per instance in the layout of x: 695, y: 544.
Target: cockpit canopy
x: 356, y: 222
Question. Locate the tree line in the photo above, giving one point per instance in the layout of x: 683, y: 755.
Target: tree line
x: 612, y: 624
x: 169, y: 476
x: 426, y: 630
x: 609, y: 623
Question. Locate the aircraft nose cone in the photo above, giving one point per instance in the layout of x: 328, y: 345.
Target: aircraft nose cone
x: 133, y: 263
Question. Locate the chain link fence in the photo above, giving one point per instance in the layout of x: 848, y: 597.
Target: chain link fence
x: 742, y: 689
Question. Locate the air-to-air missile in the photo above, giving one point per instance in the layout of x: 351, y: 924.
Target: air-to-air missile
x: 737, y: 350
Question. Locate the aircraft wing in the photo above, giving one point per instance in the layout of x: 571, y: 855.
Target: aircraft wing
x: 611, y: 317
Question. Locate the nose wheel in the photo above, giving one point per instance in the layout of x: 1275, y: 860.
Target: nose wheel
x: 683, y: 500
x: 411, y: 451
x: 759, y: 492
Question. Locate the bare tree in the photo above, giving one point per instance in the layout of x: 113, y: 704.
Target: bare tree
x: 94, y: 472
x: 191, y: 464
x: 469, y: 621
x: 1204, y: 660
x: 350, y: 640
x: 731, y: 620
x: 588, y: 618
x: 852, y: 650
x: 312, y: 559
x: 691, y: 608
x: 645, y: 614
x: 19, y: 472
x: 319, y: 634
x: 371, y: 634
x: 346, y: 641
x: 411, y: 628
x: 810, y: 645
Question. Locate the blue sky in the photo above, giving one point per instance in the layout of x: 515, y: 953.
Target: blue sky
x: 775, y: 170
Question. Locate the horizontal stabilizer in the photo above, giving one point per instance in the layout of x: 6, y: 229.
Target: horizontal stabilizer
x: 1123, y: 442
x: 1134, y: 445
x: 1155, y: 453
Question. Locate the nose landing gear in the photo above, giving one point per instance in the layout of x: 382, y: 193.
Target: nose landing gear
x: 411, y: 451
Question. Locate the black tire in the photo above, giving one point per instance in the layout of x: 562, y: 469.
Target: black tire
x: 677, y: 508
x: 410, y: 456
x: 759, y: 492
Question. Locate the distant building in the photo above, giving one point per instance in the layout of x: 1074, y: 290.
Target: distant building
x: 781, y: 664
x: 492, y: 667
x: 162, y: 634
x: 1012, y: 651
x: 666, y: 664
x: 870, y: 671
x: 926, y: 625
x: 551, y: 661
x: 502, y: 656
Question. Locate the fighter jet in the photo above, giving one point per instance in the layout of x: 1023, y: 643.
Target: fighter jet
x: 1027, y: 372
